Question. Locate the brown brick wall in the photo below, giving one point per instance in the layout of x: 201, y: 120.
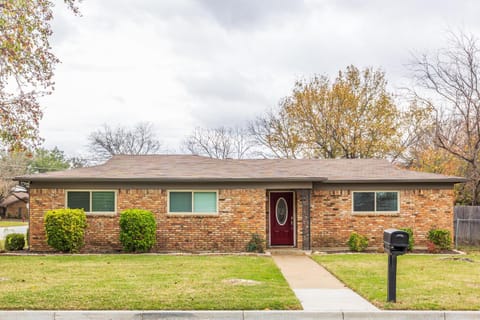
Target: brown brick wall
x: 241, y: 213
x: 332, y: 220
x: 12, y: 211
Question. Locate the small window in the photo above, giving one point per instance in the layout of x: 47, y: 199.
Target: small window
x: 379, y: 201
x: 204, y: 202
x: 92, y: 201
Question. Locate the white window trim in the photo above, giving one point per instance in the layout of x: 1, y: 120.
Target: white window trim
x: 94, y: 213
x: 375, y: 203
x: 192, y: 213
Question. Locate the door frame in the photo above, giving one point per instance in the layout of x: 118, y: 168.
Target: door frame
x: 294, y: 219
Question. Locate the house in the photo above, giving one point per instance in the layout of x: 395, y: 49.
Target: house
x: 15, y: 206
x: 204, y: 204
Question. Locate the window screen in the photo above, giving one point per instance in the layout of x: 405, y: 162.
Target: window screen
x: 103, y: 201
x: 364, y: 201
x: 387, y: 201
x: 205, y: 201
x: 78, y: 200
x: 180, y: 202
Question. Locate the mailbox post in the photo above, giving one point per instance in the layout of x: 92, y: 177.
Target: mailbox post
x: 395, y: 243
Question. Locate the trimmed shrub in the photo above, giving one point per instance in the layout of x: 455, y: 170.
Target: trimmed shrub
x: 411, y: 241
x: 65, y: 229
x: 137, y: 230
x: 255, y: 244
x: 440, y: 238
x: 14, y: 241
x: 357, y: 242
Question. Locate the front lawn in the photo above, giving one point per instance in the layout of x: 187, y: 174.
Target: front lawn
x: 12, y: 223
x: 143, y: 282
x: 424, y: 282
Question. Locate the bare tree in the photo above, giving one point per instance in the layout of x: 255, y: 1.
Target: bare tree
x: 109, y: 141
x: 449, y: 83
x: 276, y: 136
x: 219, y: 143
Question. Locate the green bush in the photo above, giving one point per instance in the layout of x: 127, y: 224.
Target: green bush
x: 441, y: 238
x: 411, y: 241
x: 255, y: 244
x: 137, y: 230
x: 357, y: 242
x: 14, y: 241
x: 65, y: 229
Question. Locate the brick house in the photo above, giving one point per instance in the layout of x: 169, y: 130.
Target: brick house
x: 203, y: 204
x: 14, y: 206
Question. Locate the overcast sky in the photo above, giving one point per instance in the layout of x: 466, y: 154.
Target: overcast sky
x: 183, y: 64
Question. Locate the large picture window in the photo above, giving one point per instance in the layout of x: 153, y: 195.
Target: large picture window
x: 203, y: 202
x: 375, y: 201
x: 92, y: 201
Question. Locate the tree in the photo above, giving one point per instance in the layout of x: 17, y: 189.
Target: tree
x: 108, y: 141
x: 448, y: 82
x: 352, y: 117
x: 219, y: 143
x: 26, y: 69
x: 11, y: 165
x: 276, y: 135
x: 45, y: 160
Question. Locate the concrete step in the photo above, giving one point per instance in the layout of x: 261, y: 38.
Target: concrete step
x: 287, y: 252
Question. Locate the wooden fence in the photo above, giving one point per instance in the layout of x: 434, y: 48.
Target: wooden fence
x: 467, y: 225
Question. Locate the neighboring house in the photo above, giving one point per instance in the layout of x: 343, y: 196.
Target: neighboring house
x: 203, y: 204
x: 15, y: 206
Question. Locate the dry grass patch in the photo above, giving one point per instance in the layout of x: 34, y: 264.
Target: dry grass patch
x: 424, y: 282
x: 147, y: 282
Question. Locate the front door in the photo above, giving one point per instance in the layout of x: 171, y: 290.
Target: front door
x: 281, y: 219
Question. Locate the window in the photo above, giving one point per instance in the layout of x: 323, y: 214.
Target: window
x: 379, y: 201
x: 204, y: 202
x: 92, y: 201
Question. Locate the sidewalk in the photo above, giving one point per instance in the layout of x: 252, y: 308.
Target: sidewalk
x: 317, y: 289
x: 7, y: 230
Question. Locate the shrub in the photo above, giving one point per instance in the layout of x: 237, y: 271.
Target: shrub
x: 14, y: 241
x: 357, y: 242
x: 65, y: 229
x: 411, y: 241
x: 440, y: 238
x: 137, y: 230
x: 255, y: 244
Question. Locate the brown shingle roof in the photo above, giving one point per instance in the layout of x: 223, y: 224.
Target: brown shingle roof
x: 177, y: 168
x: 14, y: 197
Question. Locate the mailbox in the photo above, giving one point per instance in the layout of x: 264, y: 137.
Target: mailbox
x: 395, y: 241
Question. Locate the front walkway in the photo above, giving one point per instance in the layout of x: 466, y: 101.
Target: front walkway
x: 316, y: 288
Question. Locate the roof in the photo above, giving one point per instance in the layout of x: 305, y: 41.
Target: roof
x: 14, y: 197
x: 192, y: 168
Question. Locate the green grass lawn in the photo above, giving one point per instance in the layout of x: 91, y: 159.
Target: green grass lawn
x: 424, y: 282
x: 142, y: 282
x: 12, y: 223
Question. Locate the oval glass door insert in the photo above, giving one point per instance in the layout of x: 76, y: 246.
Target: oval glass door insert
x: 281, y: 210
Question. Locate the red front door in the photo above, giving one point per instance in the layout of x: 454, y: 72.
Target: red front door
x: 281, y: 219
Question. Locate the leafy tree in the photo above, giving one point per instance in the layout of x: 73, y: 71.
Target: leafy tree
x: 352, y: 117
x: 448, y: 82
x: 108, y: 141
x: 45, y: 160
x: 26, y: 69
x: 219, y: 143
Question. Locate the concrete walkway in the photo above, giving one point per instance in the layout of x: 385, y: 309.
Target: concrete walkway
x: 316, y: 288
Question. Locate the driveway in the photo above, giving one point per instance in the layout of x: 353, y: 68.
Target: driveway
x: 7, y: 230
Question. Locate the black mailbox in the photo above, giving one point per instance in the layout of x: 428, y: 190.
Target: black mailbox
x: 395, y: 241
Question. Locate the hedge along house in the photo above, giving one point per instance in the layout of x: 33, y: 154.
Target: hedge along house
x: 204, y: 204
